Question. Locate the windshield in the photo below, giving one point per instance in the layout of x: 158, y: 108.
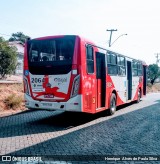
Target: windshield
x: 51, y: 55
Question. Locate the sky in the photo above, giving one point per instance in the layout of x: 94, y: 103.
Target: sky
x: 139, y: 19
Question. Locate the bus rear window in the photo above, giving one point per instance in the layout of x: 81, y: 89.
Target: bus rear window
x: 58, y: 49
x: 56, y: 54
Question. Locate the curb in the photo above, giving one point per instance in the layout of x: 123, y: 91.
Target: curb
x: 10, y: 82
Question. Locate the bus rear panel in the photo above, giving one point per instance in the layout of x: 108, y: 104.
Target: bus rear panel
x: 51, y: 73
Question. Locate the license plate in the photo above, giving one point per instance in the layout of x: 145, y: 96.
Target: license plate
x: 46, y: 104
x: 48, y: 96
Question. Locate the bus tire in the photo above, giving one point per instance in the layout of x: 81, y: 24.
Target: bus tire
x: 138, y: 96
x: 112, y: 108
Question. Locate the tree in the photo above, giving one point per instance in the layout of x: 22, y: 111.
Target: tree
x: 8, y: 58
x: 19, y: 36
x: 153, y: 72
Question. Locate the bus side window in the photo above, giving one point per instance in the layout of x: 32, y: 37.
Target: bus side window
x: 90, y: 59
x: 135, y: 68
x: 121, y: 66
x: 112, y: 63
x: 139, y: 69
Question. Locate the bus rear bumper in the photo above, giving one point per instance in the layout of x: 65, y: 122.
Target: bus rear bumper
x: 74, y: 104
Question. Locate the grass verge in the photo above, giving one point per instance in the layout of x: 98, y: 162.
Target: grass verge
x: 13, y: 102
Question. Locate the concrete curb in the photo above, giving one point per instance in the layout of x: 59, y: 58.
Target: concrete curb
x: 10, y: 82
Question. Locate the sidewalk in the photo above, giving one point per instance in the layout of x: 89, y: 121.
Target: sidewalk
x: 12, y: 79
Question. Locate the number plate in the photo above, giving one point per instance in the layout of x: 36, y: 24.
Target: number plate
x: 48, y: 96
x: 47, y: 104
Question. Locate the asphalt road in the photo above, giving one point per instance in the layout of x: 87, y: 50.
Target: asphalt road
x: 134, y: 130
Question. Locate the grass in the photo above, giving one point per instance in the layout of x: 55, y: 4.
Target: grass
x: 13, y: 101
x: 11, y: 97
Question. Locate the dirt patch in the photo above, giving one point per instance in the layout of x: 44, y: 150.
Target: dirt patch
x: 11, y: 98
x: 153, y: 88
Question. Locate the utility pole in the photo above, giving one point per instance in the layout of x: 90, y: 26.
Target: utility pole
x: 111, y: 30
x: 157, y: 58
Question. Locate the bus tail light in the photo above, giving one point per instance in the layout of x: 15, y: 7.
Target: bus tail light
x: 26, y: 87
x: 75, y: 86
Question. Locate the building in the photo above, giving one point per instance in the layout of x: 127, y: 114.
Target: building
x: 20, y: 53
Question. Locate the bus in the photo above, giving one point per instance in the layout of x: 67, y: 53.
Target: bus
x: 71, y: 73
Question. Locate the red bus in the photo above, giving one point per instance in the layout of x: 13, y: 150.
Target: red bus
x: 70, y: 73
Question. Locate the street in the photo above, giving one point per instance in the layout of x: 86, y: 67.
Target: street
x: 132, y: 130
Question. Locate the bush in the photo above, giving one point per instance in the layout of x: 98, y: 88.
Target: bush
x: 8, y: 58
x: 13, y: 101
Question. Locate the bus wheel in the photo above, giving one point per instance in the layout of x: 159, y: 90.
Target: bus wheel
x: 112, y: 108
x: 139, y: 96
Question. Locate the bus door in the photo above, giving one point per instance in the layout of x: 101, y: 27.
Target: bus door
x: 129, y: 80
x: 101, y: 79
x: 144, y: 79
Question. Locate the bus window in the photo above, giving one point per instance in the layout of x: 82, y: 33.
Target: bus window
x: 121, y: 65
x: 112, y: 63
x: 134, y: 68
x: 139, y: 69
x: 55, y: 52
x: 34, y: 57
x: 53, y: 49
x: 90, y: 59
